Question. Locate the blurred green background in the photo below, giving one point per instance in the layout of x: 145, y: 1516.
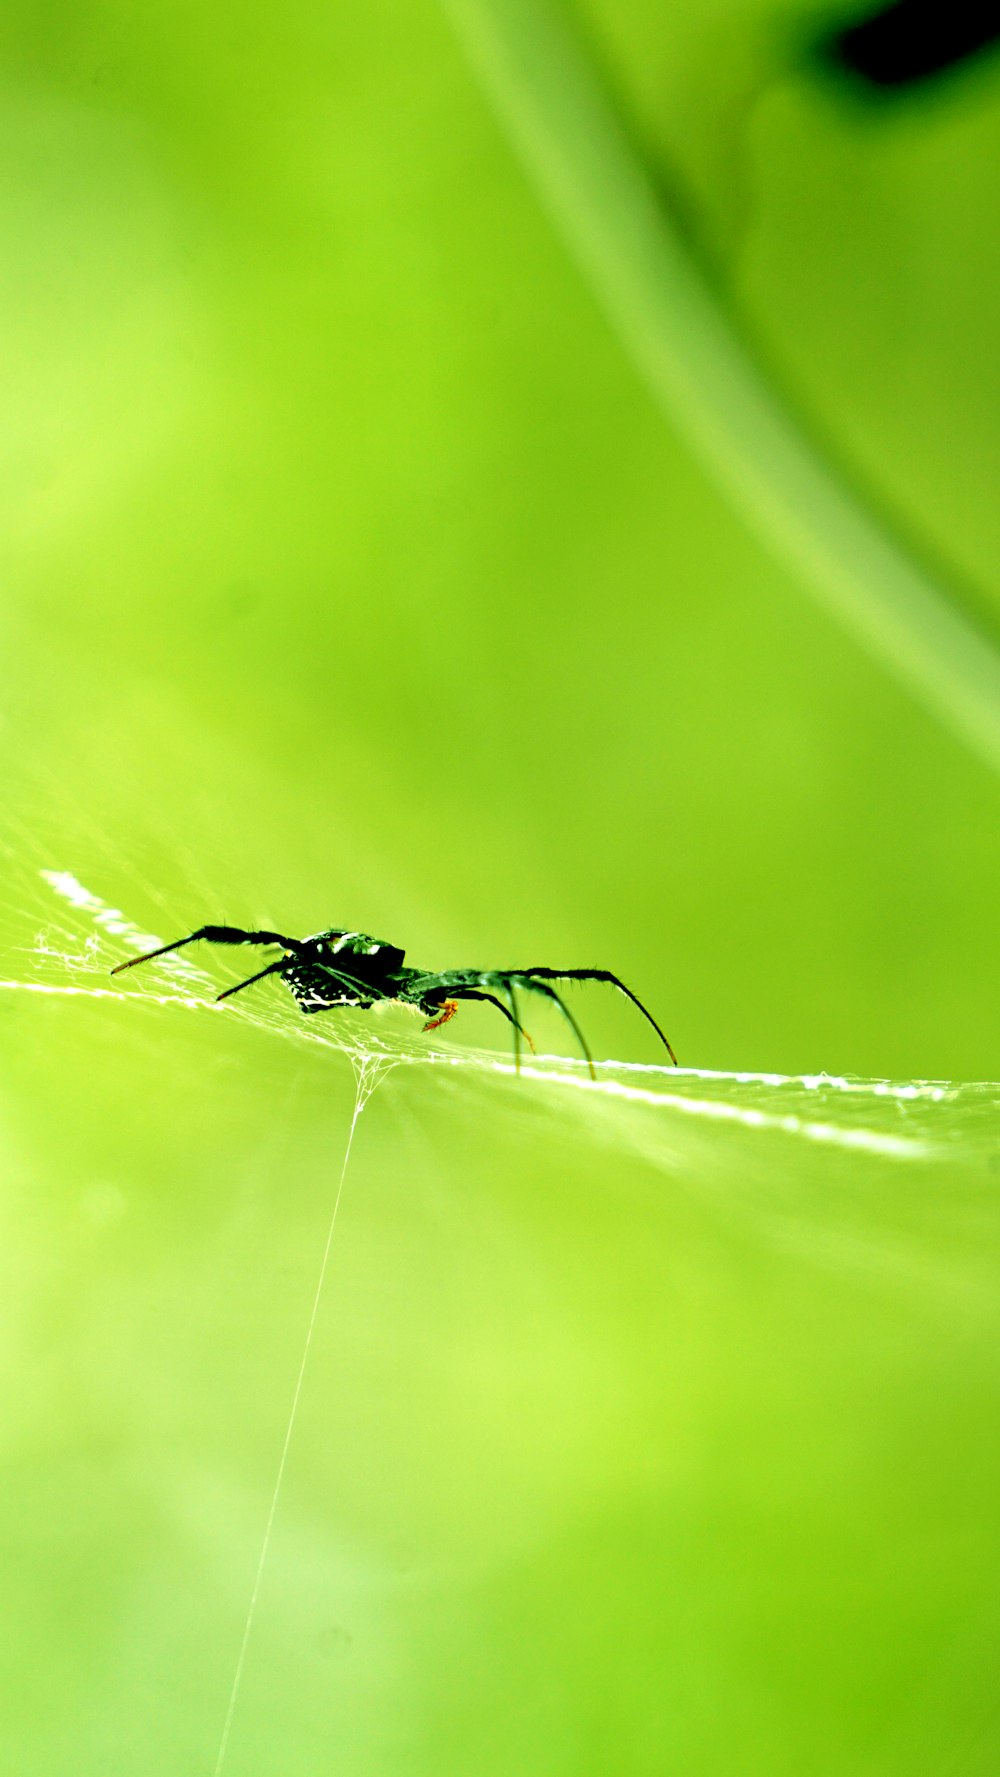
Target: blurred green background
x: 353, y: 576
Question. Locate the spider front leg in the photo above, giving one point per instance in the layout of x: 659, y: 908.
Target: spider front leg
x: 512, y: 978
x: 470, y: 984
x: 474, y: 993
x: 612, y: 981
x: 460, y: 990
x: 516, y: 1021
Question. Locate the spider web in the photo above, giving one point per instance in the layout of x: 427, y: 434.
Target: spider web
x: 67, y: 939
x: 67, y: 921
x: 63, y: 938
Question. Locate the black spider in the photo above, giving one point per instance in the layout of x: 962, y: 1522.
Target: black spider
x: 352, y: 969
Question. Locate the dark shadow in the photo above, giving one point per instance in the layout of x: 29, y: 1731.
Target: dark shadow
x: 911, y: 43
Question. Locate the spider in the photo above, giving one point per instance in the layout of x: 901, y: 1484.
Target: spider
x: 352, y: 969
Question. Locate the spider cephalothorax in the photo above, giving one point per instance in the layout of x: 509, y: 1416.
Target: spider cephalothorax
x: 337, y: 968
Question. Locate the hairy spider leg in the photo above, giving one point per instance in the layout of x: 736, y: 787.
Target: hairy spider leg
x: 517, y: 1027
x: 450, y: 1007
x: 517, y: 977
x: 516, y: 1020
x: 473, y: 993
x: 272, y: 969
x: 212, y: 935
x: 612, y: 981
x: 468, y: 992
x: 447, y: 1011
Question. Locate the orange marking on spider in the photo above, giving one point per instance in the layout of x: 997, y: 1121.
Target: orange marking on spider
x: 447, y: 1011
x: 335, y: 969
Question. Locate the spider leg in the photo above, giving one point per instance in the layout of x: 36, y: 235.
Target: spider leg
x: 272, y: 969
x: 517, y: 1026
x: 612, y: 981
x: 521, y: 978
x: 473, y: 993
x: 212, y: 935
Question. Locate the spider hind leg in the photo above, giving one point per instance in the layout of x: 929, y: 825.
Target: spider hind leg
x: 210, y: 935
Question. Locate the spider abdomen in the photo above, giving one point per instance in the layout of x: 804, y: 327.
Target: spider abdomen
x: 358, y: 955
x: 338, y: 968
x: 316, y: 990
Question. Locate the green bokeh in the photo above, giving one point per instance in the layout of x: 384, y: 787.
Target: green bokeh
x: 353, y: 576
